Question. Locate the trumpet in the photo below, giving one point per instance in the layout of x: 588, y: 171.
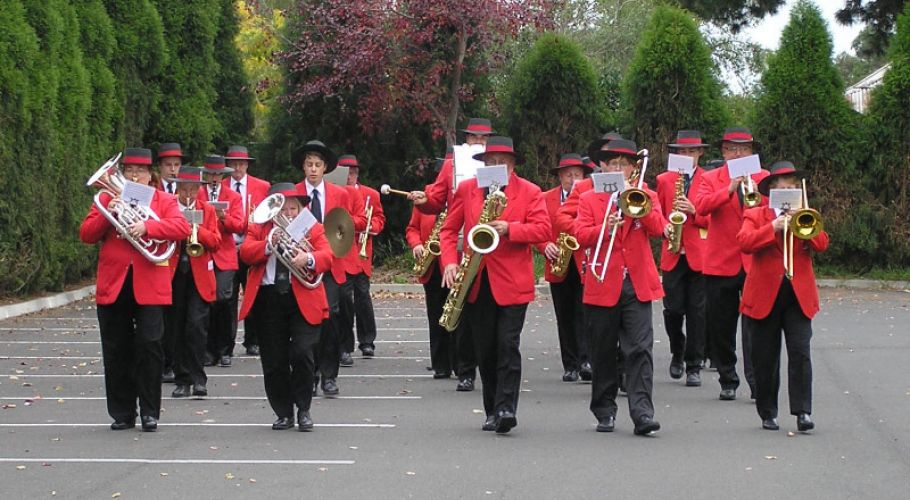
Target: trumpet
x: 432, y: 247
x: 677, y: 218
x: 286, y: 248
x: 751, y: 197
x: 108, y: 179
x: 365, y: 235
x: 635, y: 202
x: 804, y: 224
x: 599, y: 276
x: 193, y: 247
x: 567, y: 246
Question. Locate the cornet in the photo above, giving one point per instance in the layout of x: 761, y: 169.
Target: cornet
x: 751, y: 196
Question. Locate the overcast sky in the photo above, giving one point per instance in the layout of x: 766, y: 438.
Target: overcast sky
x: 767, y: 33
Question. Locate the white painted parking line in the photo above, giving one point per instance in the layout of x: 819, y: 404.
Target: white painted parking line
x: 94, y: 328
x: 194, y: 398
x: 167, y: 461
x: 194, y: 424
x: 98, y: 358
x: 98, y: 342
x: 212, y: 375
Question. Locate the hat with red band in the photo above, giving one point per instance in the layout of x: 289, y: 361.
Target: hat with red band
x: 479, y: 126
x: 617, y: 147
x: 289, y: 190
x: 214, y: 164
x: 688, y: 139
x: 136, y: 156
x: 171, y: 150
x: 238, y: 153
x: 348, y: 161
x: 739, y: 135
x: 499, y: 144
x: 572, y: 160
x: 596, y: 145
x: 189, y: 175
x: 779, y: 169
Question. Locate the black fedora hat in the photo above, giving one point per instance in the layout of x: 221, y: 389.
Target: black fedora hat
x: 779, y: 169
x: 479, y: 126
x: 738, y: 135
x: 617, y: 147
x: 595, y: 145
x: 189, y: 175
x: 214, y: 164
x: 238, y: 153
x: 500, y: 144
x: 688, y: 139
x: 572, y: 160
x: 314, y: 147
x: 349, y: 161
x: 171, y: 150
x: 136, y: 156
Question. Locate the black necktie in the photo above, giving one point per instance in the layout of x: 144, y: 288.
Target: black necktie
x: 237, y: 186
x: 282, y: 277
x: 170, y: 187
x: 315, y: 206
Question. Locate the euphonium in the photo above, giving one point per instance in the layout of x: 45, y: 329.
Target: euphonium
x: 482, y: 239
x: 286, y: 248
x: 431, y: 246
x: 567, y: 246
x: 677, y: 219
x: 635, y: 202
x: 122, y: 215
x: 365, y: 235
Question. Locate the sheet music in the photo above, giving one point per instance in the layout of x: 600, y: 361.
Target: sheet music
x: 301, y: 224
x: 742, y: 167
x: 220, y: 205
x: 608, y: 182
x: 785, y: 199
x: 193, y: 216
x: 464, y: 165
x: 137, y: 194
x: 681, y: 164
x: 494, y: 174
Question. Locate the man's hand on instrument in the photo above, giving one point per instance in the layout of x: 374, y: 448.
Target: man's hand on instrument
x: 220, y: 213
x: 300, y: 260
x: 418, y: 252
x: 668, y: 230
x: 448, y: 275
x: 734, y: 184
x: 684, y: 205
x: 779, y: 223
x: 138, y: 229
x: 551, y: 252
x: 501, y: 227
x: 418, y: 197
x: 615, y: 220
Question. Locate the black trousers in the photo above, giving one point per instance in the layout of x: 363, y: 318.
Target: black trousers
x: 131, y: 346
x: 442, y: 343
x: 221, y: 333
x: 722, y: 296
x: 328, y: 352
x: 787, y: 317
x: 573, y: 340
x: 249, y: 323
x: 286, y: 346
x: 497, y: 335
x: 356, y: 303
x: 189, y: 318
x: 685, y: 301
x: 627, y: 324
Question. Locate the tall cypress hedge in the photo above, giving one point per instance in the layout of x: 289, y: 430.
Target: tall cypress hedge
x: 234, y: 103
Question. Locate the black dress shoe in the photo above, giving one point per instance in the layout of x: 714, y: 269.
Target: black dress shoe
x: 606, y: 424
x: 209, y: 359
x: 586, y: 372
x: 645, y: 426
x: 225, y: 361
x: 252, y: 350
x: 490, y: 423
x: 368, y: 352
x: 727, y: 394
x: 693, y: 379
x: 282, y: 424
x: 304, y: 422
x: 149, y: 424
x: 167, y: 376
x: 570, y: 376
x: 441, y: 375
x: 346, y: 359
x: 121, y: 425
x: 770, y: 424
x: 200, y: 390
x: 465, y: 385
x: 676, y: 368
x: 329, y: 387
x: 505, y: 422
x: 182, y: 391
x: 804, y: 422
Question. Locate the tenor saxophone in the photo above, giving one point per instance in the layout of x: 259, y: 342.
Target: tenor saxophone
x: 482, y: 239
x: 677, y: 218
x: 432, y: 247
x: 567, y: 245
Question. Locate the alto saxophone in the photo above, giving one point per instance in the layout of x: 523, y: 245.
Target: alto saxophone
x: 482, y: 239
x: 567, y: 245
x: 677, y: 219
x: 432, y: 247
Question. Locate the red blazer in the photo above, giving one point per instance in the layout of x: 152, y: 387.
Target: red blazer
x: 353, y: 263
x: 440, y: 193
x: 511, y: 266
x: 552, y: 201
x: 312, y: 303
x: 337, y: 196
x: 758, y: 238
x: 419, y: 228
x: 234, y: 222
x: 722, y: 256
x: 256, y: 191
x: 631, y: 250
x: 565, y: 216
x: 151, y: 282
x: 202, y: 266
x: 692, y: 241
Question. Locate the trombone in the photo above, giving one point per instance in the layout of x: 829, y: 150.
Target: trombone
x: 599, y: 276
x: 805, y: 224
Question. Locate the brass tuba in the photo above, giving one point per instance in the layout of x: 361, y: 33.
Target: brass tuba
x: 635, y: 202
x: 567, y: 246
x: 482, y: 239
x: 286, y: 248
x: 432, y: 247
x: 108, y: 179
x: 677, y: 218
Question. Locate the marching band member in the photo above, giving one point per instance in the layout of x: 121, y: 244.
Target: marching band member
x: 316, y: 160
x: 231, y: 221
x: 683, y: 282
x: 618, y: 310
x: 252, y: 191
x: 499, y: 297
x: 193, y: 285
x: 289, y: 314
x: 568, y: 211
x: 772, y: 304
x: 725, y: 266
x: 566, y: 289
x: 131, y: 295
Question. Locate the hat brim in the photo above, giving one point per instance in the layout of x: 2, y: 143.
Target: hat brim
x: 519, y: 159
x: 187, y: 181
x: 764, y: 186
x: 476, y: 132
x: 247, y: 158
x: 681, y: 146
x: 603, y: 155
x: 331, y: 160
x: 225, y: 170
x: 594, y: 147
x: 587, y: 168
x: 756, y: 146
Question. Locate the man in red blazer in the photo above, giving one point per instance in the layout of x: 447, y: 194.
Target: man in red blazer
x: 683, y: 282
x: 618, y: 310
x: 772, y: 304
x: 252, y: 190
x: 290, y: 314
x: 316, y: 160
x: 231, y: 221
x: 725, y: 266
x: 355, y: 293
x: 499, y: 297
x: 566, y: 290
x: 193, y: 285
x: 131, y: 293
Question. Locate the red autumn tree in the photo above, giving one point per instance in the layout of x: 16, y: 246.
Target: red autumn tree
x: 404, y: 58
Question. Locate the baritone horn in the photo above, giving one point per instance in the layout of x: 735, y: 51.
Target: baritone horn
x: 635, y: 202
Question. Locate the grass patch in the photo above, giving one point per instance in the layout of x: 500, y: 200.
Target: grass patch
x: 878, y: 273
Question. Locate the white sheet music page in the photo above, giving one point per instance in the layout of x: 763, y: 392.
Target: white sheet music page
x: 494, y: 174
x: 680, y: 164
x: 464, y: 165
x: 744, y: 166
x: 785, y: 199
x: 301, y: 224
x: 137, y: 194
x: 608, y: 182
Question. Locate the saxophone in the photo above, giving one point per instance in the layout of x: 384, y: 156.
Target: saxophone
x: 482, y: 239
x: 567, y: 245
x: 677, y: 219
x: 433, y: 250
